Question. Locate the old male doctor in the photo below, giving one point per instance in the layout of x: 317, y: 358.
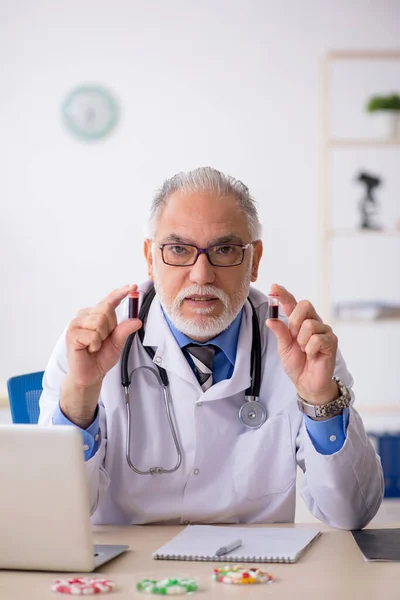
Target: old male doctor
x: 203, y: 253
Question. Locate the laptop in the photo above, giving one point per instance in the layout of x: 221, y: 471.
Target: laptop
x: 44, y: 502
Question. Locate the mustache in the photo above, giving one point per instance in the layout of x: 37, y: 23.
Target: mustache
x: 201, y: 290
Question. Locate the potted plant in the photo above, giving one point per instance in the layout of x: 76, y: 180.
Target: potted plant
x: 391, y: 106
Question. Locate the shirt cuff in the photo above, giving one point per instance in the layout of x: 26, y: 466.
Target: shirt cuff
x: 91, y: 436
x: 328, y: 436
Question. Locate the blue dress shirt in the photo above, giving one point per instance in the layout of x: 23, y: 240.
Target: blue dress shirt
x: 327, y: 436
x: 224, y: 357
x: 91, y: 436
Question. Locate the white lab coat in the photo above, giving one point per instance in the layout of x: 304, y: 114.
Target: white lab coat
x: 229, y: 474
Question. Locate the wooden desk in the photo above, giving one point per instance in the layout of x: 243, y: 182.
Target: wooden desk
x: 332, y: 569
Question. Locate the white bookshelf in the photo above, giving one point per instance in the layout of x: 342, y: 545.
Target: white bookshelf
x: 331, y: 145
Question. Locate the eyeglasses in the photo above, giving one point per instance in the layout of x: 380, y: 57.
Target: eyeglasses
x: 185, y: 255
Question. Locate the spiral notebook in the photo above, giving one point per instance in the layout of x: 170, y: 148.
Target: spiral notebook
x: 259, y: 544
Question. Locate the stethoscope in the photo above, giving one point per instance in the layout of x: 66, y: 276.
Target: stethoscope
x: 252, y: 414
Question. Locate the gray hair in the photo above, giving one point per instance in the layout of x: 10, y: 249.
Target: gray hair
x: 206, y: 179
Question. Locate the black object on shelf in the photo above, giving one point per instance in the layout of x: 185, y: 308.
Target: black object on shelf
x: 368, y: 204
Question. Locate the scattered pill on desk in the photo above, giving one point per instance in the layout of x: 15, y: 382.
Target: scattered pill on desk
x: 82, y: 586
x: 167, y: 586
x: 243, y: 576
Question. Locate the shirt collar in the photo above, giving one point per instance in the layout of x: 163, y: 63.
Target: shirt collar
x: 227, y: 340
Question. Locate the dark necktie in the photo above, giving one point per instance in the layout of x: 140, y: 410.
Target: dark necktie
x: 202, y: 357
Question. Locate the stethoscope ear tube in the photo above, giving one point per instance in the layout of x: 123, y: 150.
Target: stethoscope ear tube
x: 144, y: 309
x: 254, y: 389
x: 125, y: 379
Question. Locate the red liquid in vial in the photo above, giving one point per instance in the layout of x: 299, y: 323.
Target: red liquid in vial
x: 134, y: 306
x: 273, y: 312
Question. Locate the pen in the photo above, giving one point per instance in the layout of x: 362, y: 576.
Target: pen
x: 228, y: 548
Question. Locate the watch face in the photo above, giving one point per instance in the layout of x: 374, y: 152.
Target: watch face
x: 90, y: 112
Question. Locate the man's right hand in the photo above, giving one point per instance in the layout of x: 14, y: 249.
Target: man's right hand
x: 94, y: 345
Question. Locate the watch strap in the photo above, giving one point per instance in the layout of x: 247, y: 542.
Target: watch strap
x: 329, y: 410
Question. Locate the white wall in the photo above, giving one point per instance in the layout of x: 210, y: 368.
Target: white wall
x: 228, y: 83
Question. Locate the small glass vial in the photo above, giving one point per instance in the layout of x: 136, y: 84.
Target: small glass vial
x: 133, y: 305
x: 273, y: 307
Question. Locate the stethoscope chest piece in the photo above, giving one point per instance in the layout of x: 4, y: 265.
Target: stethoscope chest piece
x: 252, y: 414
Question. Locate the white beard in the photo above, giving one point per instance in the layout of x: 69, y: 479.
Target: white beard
x: 204, y: 327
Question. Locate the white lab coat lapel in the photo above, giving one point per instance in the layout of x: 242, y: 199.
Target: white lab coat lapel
x: 169, y: 355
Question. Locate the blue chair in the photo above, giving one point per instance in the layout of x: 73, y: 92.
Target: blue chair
x: 24, y: 392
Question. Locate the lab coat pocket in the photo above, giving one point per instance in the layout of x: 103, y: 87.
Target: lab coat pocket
x: 264, y: 460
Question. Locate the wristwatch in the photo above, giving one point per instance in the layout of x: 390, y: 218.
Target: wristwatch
x: 331, y: 409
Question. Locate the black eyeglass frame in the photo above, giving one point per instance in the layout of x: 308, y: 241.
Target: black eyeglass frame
x: 203, y: 251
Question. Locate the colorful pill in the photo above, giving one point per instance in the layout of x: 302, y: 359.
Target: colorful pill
x: 240, y: 576
x: 167, y: 586
x: 82, y: 586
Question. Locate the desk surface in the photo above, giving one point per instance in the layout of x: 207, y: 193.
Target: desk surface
x: 332, y: 568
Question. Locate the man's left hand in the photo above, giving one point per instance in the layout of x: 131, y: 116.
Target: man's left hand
x: 307, y: 348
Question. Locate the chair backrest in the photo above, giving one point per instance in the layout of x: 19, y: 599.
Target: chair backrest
x: 24, y: 392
